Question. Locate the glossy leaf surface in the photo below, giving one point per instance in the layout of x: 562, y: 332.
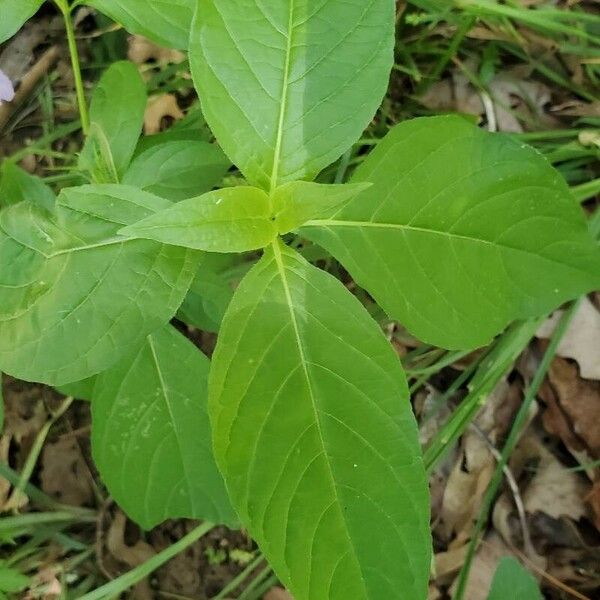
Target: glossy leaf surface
x: 513, y: 581
x: 116, y: 116
x: 14, y: 14
x: 75, y: 297
x: 315, y: 436
x: 462, y: 232
x: 166, y: 22
x: 178, y: 170
x: 151, y: 437
x: 228, y: 220
x: 288, y: 85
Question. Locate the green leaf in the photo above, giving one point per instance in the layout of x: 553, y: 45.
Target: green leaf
x: 229, y: 220
x: 151, y: 437
x: 178, y: 170
x: 117, y: 115
x: 314, y: 435
x: 288, y: 86
x: 17, y: 185
x: 299, y: 201
x: 81, y: 390
x: 15, y: 14
x: 11, y: 580
x: 166, y: 22
x: 1, y: 406
x: 207, y: 299
x: 462, y: 232
x: 75, y: 297
x: 513, y: 581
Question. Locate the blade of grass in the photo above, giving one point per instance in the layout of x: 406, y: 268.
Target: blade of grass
x: 129, y: 579
x: 511, y: 442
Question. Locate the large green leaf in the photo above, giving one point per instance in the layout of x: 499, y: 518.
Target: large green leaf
x: 151, y: 437
x: 75, y: 297
x: 229, y: 220
x: 167, y: 22
x: 462, y: 232
x: 14, y: 13
x: 314, y: 434
x: 512, y: 581
x: 178, y: 170
x: 288, y: 85
x: 116, y: 115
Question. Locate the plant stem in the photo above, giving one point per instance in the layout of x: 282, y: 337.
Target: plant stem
x: 511, y: 442
x: 65, y: 9
x: 124, y: 582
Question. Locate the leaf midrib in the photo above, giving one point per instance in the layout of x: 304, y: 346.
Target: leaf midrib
x: 288, y: 296
x: 283, y: 99
x: 333, y: 223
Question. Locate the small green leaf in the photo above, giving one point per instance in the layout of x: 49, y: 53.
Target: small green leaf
x: 234, y: 219
x: 11, y: 580
x: 117, y: 115
x: 166, y: 22
x: 513, y: 581
x: 288, y: 86
x: 462, y: 232
x: 300, y: 201
x: 14, y: 15
x: 314, y: 434
x: 17, y: 185
x: 178, y: 170
x: 151, y: 437
x: 81, y: 390
x: 74, y: 296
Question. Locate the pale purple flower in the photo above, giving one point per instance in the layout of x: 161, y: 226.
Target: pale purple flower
x: 7, y: 91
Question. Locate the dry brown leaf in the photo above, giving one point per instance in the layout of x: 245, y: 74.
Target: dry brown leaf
x: 141, y: 50
x: 64, y: 474
x: 489, y: 554
x: 277, y: 593
x: 159, y: 108
x: 511, y: 93
x: 573, y: 408
x: 593, y: 499
x: 131, y: 555
x: 581, y: 341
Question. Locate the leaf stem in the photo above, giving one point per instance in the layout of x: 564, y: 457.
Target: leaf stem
x: 66, y: 11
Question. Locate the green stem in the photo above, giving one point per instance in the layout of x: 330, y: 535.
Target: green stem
x: 65, y: 9
x: 513, y: 438
x: 116, y: 587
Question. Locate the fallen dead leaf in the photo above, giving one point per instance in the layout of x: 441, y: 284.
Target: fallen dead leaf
x: 277, y: 593
x: 159, y: 108
x: 141, y: 50
x: 581, y: 341
x: 64, y: 474
x: 489, y: 554
x: 573, y: 408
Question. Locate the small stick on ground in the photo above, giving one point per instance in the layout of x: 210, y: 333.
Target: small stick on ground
x: 29, y: 82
